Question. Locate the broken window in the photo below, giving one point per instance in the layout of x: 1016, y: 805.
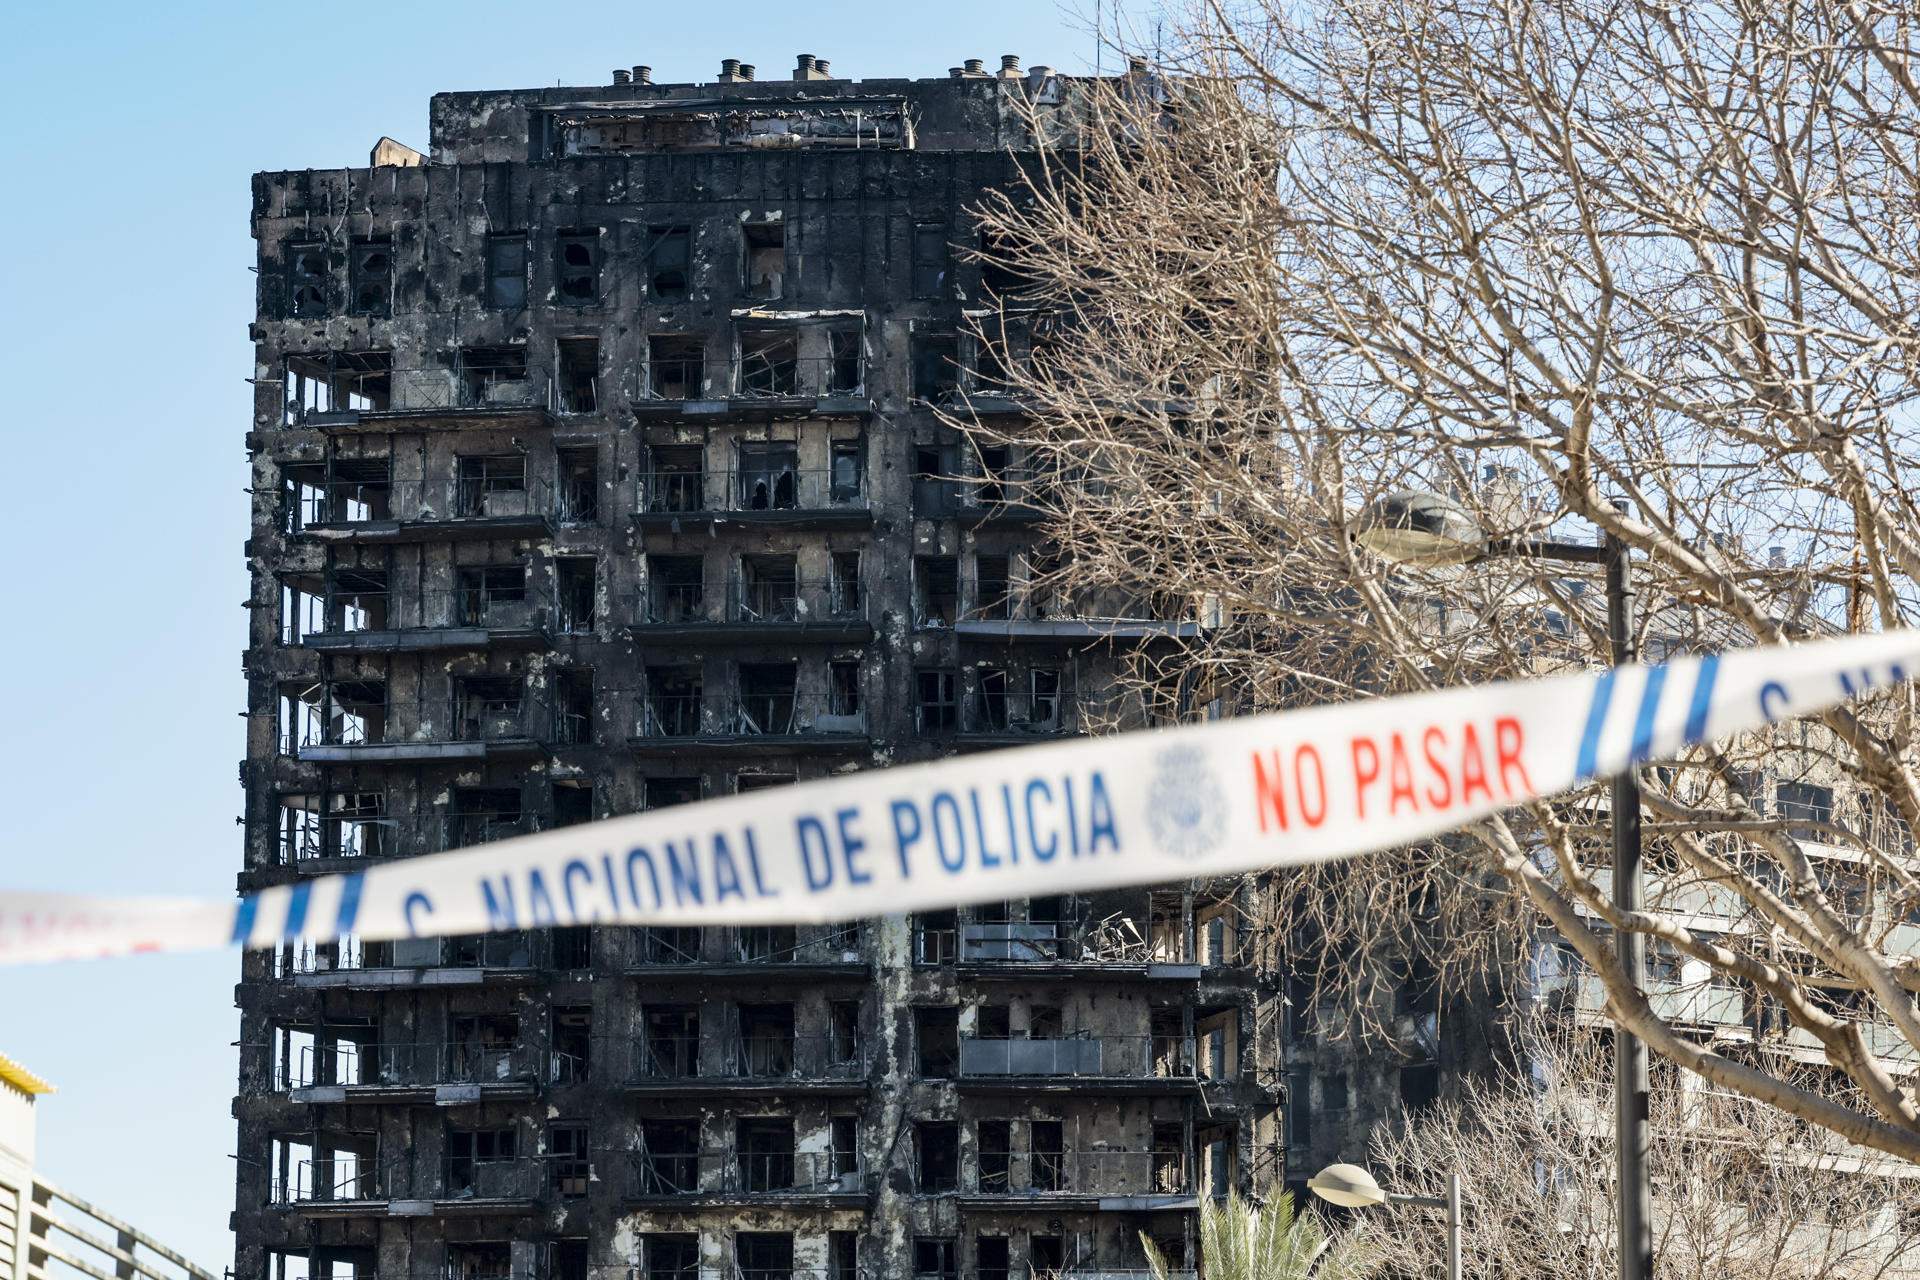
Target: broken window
x: 844, y: 351
x: 676, y: 589
x: 572, y: 803
x: 664, y: 793
x: 492, y: 486
x: 672, y: 1041
x: 934, y: 493
x: 995, y: 1141
x: 676, y: 479
x: 483, y: 1047
x: 764, y: 247
x: 767, y: 943
x: 309, y: 280
x: 579, y: 484
x: 992, y: 1258
x: 573, y: 709
x: 487, y: 1261
x: 843, y: 1032
x: 492, y: 595
x: 754, y: 780
x: 993, y: 595
x: 1044, y: 683
x: 671, y: 1255
x: 579, y: 374
x: 1167, y: 1035
x: 1049, y: 1155
x: 669, y: 1157
x: 843, y: 689
x: 990, y: 699
x: 769, y: 476
x: 668, y: 260
x: 766, y: 698
x: 843, y: 1146
x: 764, y: 1147
x: 936, y: 1156
x: 763, y: 1255
x: 846, y: 477
x: 1168, y: 1172
x: 675, y: 367
x: 356, y: 712
x: 929, y: 259
x: 937, y: 705
x: 476, y: 1158
x: 477, y: 815
x: 1217, y: 1155
x: 936, y: 937
x: 370, y: 278
x: 493, y: 375
x: 577, y: 267
x: 847, y: 598
x: 575, y: 575
x: 766, y: 1040
x: 1419, y: 1086
x: 936, y: 591
x: 338, y: 382
x: 994, y: 473
x: 357, y: 600
x: 936, y: 365
x: 843, y: 1255
x: 768, y: 589
x: 507, y: 271
x: 572, y: 1036
x: 567, y: 1260
x: 672, y: 704
x: 769, y: 362
x: 1001, y: 276
x: 936, y: 1035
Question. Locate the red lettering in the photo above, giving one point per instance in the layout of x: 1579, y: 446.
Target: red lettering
x: 1508, y: 739
x: 1440, y: 791
x: 1313, y: 811
x: 1364, y: 774
x: 1267, y: 794
x: 1473, y: 769
x: 1400, y: 778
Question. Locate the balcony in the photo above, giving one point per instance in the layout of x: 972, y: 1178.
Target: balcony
x: 989, y: 720
x: 752, y: 610
x: 977, y: 501
x: 369, y: 1187
x: 1095, y: 1179
x: 1031, y: 950
x: 769, y: 1065
x: 778, y: 953
x: 766, y: 725
x: 767, y: 382
x: 1114, y: 1064
x: 439, y: 1072
x: 1048, y: 616
x: 476, y: 504
x: 493, y: 718
x: 734, y: 1179
x: 345, y: 392
x: 491, y: 611
x: 470, y: 961
x: 786, y: 496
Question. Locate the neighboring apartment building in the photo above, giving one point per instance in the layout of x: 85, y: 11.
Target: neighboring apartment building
x: 597, y: 469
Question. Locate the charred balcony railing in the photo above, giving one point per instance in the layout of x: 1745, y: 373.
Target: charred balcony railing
x: 1049, y: 941
x: 1105, y: 1057
x: 363, y: 833
x: 503, y: 1177
x: 351, y: 616
x: 379, y: 1063
x: 743, y: 600
x: 730, y: 1172
x: 750, y: 1057
x: 326, y: 389
x: 342, y: 506
x: 496, y: 951
x: 1088, y: 1171
x: 748, y: 487
x: 343, y: 1178
x: 796, y: 945
x: 756, y: 375
x: 743, y: 716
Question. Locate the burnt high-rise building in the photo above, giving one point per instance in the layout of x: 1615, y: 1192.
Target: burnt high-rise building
x: 599, y: 466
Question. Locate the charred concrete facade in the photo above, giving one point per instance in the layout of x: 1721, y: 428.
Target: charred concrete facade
x: 597, y: 467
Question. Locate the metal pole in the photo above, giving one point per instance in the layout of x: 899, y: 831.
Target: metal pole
x: 1453, y: 1226
x: 1631, y: 1131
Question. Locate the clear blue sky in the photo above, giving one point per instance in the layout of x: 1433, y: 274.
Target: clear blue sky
x: 130, y: 131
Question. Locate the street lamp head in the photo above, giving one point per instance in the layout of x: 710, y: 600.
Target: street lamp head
x: 1347, y: 1185
x: 1420, y: 528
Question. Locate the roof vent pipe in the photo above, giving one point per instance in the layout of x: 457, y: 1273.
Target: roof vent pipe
x: 976, y: 66
x: 822, y: 69
x: 729, y: 68
x: 643, y: 75
x: 955, y: 73
x: 620, y: 75
x: 746, y: 71
x: 1009, y: 66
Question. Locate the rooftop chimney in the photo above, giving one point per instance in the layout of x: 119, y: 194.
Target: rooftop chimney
x: 803, y: 66
x: 955, y: 73
x: 1039, y: 75
x: 643, y: 75
x: 620, y: 75
x: 1009, y: 66
x: 1136, y: 66
x: 976, y: 66
x: 746, y: 71
x: 729, y: 70
x: 822, y: 69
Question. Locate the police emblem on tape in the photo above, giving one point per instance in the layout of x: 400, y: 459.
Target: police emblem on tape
x: 1185, y: 806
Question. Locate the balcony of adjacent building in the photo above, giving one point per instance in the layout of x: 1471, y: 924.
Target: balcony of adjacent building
x: 482, y: 1172
x: 765, y: 953
x: 762, y: 714
x: 761, y: 484
x: 775, y: 370
x: 757, y: 1052
x: 482, y: 497
x: 468, y: 960
x: 489, y: 717
x: 762, y: 1169
x: 764, y: 599
x: 353, y: 610
x: 503, y: 387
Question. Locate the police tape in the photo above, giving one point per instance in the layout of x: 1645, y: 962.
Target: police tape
x: 1231, y: 795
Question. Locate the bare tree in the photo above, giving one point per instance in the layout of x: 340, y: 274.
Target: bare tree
x: 1582, y: 265
x: 1744, y: 1192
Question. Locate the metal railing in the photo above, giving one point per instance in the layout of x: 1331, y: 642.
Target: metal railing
x: 667, y: 945
x: 744, y: 599
x: 1106, y: 1172
x: 1017, y: 714
x: 705, y: 1172
x: 761, y: 375
x: 413, y: 1063
x: 1133, y: 1057
x: 790, y: 944
x: 750, y: 1057
x: 357, y: 835
x: 744, y: 716
x: 465, y: 496
x: 754, y: 488
x: 670, y: 378
x: 317, y: 388
x: 506, y: 1178
x: 1039, y: 941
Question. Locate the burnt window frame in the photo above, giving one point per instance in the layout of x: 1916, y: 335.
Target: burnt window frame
x: 658, y: 236
x: 358, y: 279
x: 562, y: 270
x: 302, y: 276
x: 496, y: 272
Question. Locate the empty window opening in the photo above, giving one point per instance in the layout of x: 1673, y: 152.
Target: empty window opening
x: 676, y: 367
x: 936, y: 1258
x: 492, y: 595
x: 573, y: 707
x: 338, y: 382
x: 846, y: 480
x: 936, y: 365
x: 1043, y: 685
x: 763, y: 1145
x: 567, y: 1260
x: 1001, y: 274
x: 763, y: 1255
x: 572, y: 803
x: 357, y: 711
x: 765, y: 1046
x: 579, y: 374
x: 746, y: 781
x: 485, y: 1261
x: 672, y: 1041
x: 572, y: 1037
x: 843, y: 1255
x: 576, y: 577
x: 370, y: 278
x: 1218, y: 1153
x: 937, y: 705
x: 1167, y: 1030
x: 936, y: 937
x: 570, y: 947
x: 1045, y: 1022
x: 669, y: 1157
x: 767, y: 943
x: 483, y: 1047
x: 358, y: 600
x: 843, y: 1146
x: 843, y: 1031
x: 844, y: 362
x: 936, y: 1155
x: 994, y: 468
x: 664, y: 793
x: 936, y: 1037
x: 676, y: 589
x: 480, y: 1162
x: 936, y: 590
x: 671, y: 1255
x: 672, y: 703
x: 765, y: 258
x: 1169, y: 1161
x: 507, y: 271
x: 309, y: 280
x: 990, y: 699
x: 1419, y: 1086
x: 1217, y: 1047
x: 577, y: 267
x: 934, y: 492
x: 995, y: 1140
x: 1049, y: 1155
x: 668, y: 259
x: 766, y: 698
x: 477, y: 815
x: 676, y: 479
x: 992, y: 1258
x: 993, y: 597
x: 768, y: 589
x: 929, y: 259
x: 494, y: 485
x: 769, y: 362
x: 993, y: 1021
x: 843, y: 689
x: 769, y: 476
x: 493, y: 375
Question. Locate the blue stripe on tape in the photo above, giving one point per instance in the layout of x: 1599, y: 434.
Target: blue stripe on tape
x: 297, y: 910
x: 243, y: 913
x: 1702, y: 698
x: 349, y: 903
x: 1596, y: 721
x: 1649, y: 708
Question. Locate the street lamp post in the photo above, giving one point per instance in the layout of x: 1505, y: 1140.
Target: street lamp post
x: 1351, y: 1187
x: 1423, y: 528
